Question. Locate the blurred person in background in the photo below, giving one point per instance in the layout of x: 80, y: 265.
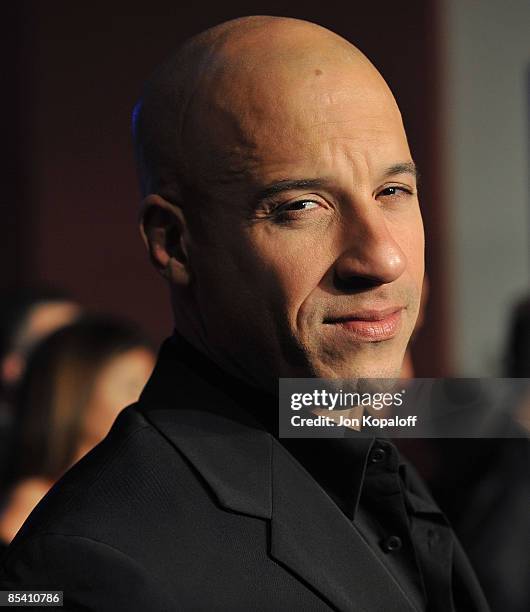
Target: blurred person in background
x: 27, y: 316
x: 517, y: 358
x: 77, y: 381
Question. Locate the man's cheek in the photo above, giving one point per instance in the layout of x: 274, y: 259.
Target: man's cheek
x: 288, y: 290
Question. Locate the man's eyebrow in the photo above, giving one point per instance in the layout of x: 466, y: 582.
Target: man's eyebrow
x: 288, y: 185
x: 408, y: 167
x: 278, y: 187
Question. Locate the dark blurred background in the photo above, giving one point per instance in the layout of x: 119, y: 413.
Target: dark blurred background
x: 74, y: 70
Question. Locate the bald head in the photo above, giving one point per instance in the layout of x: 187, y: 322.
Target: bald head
x: 280, y: 198
x: 196, y: 124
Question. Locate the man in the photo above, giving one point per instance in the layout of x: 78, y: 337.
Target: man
x: 281, y: 207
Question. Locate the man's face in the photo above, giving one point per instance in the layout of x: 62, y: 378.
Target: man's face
x: 307, y: 250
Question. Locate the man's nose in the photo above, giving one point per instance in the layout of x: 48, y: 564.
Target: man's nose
x: 370, y: 254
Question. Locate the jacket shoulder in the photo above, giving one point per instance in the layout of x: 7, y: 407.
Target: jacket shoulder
x: 117, y: 484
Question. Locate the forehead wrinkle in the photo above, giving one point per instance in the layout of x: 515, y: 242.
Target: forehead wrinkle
x: 321, y: 157
x: 287, y: 116
x: 356, y: 168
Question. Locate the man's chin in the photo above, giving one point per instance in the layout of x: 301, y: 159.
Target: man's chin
x: 355, y: 367
x: 356, y: 373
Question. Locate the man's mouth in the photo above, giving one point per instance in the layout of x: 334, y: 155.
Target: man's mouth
x: 369, y: 325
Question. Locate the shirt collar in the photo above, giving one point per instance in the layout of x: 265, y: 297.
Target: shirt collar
x: 337, y: 464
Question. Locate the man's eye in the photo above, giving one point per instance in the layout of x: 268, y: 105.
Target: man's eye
x: 298, y: 205
x: 394, y: 191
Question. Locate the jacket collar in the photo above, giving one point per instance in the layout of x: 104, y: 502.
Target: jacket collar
x: 249, y: 472
x: 186, y: 398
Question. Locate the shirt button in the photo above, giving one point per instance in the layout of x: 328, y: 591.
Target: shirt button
x: 433, y: 537
x: 378, y: 455
x: 391, y: 544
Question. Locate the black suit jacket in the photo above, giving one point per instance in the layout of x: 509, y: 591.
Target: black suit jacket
x: 189, y: 504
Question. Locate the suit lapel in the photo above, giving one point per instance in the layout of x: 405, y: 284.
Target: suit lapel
x: 233, y: 459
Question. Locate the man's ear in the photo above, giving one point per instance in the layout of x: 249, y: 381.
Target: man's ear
x: 164, y: 232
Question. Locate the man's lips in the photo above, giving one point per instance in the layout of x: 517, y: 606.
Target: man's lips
x: 369, y: 325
